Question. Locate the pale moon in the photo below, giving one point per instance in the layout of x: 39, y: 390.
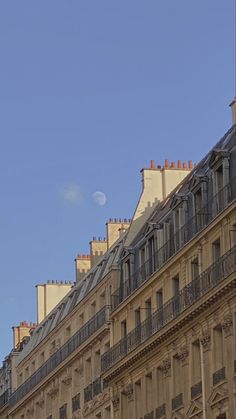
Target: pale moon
x: 100, y: 198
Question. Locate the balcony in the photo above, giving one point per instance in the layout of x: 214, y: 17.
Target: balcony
x: 193, y: 226
x: 218, y: 376
x: 94, y: 388
x: 4, y: 398
x: 177, y: 401
x: 196, y: 390
x: 60, y: 355
x: 161, y: 411
x: 187, y: 296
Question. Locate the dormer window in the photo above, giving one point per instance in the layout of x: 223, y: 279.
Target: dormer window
x: 219, y: 162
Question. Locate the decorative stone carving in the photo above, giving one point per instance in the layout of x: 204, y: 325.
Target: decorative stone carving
x: 116, y: 402
x: 227, y: 325
x: 129, y: 392
x: 40, y: 401
x: 67, y: 378
x: 205, y: 341
x: 54, y: 389
x: 80, y: 367
x: 30, y: 409
x: 165, y: 367
x: 183, y: 354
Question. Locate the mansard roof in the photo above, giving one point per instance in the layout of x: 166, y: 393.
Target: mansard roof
x: 163, y: 209
x: 74, y: 297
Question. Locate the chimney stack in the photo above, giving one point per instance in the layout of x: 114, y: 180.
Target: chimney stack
x: 233, y: 107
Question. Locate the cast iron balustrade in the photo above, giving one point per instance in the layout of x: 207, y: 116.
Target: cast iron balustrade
x: 177, y: 401
x: 187, y: 296
x: 149, y: 415
x: 218, y: 376
x: 160, y: 411
x: 76, y: 402
x: 97, y: 321
x: 196, y: 390
x: 88, y: 393
x: 94, y: 388
x: 4, y: 398
x: 195, y: 224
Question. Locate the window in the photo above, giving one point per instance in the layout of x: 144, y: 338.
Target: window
x: 194, y: 268
x: 97, y: 364
x: 216, y: 250
x: 148, y: 308
x: 159, y: 298
x: 142, y: 255
x: 76, y: 402
x: 123, y: 329
x: 63, y: 412
x: 137, y: 317
x: 151, y: 255
x: 175, y: 285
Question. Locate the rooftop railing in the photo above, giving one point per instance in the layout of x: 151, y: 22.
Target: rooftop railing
x: 183, y: 235
x: 186, y: 297
x: 60, y: 355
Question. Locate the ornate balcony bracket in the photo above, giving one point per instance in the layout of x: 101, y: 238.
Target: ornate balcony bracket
x: 183, y: 355
x: 129, y: 392
x: 205, y: 340
x: 165, y: 367
x: 227, y: 325
x: 116, y: 402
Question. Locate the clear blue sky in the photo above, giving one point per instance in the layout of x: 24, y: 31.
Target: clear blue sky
x: 90, y: 91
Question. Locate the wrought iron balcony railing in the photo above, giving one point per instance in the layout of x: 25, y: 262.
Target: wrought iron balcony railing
x: 94, y: 388
x: 4, y: 398
x: 60, y: 355
x: 160, y: 411
x: 196, y: 390
x: 218, y: 376
x: 193, y: 226
x: 187, y: 296
x: 177, y: 401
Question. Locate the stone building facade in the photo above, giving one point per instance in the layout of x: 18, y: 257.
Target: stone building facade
x: 149, y: 330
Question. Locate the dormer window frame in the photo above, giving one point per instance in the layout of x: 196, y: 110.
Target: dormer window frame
x: 178, y: 208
